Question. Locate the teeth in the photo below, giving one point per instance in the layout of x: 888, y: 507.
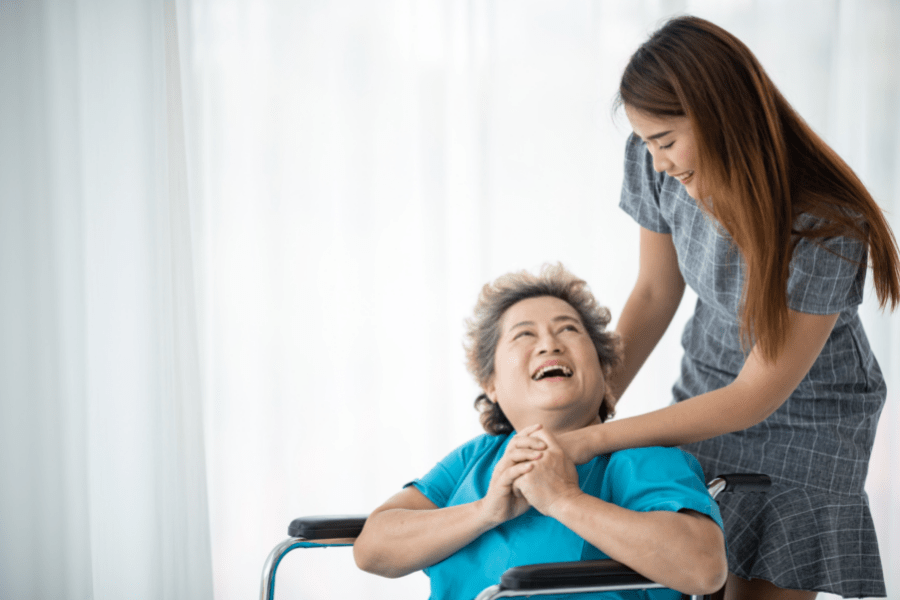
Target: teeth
x: 543, y: 370
x: 684, y: 176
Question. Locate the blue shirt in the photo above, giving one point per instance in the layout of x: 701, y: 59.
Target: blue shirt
x: 641, y: 479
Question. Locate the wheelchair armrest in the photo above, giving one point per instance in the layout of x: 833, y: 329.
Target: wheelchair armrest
x: 571, y: 575
x: 327, y: 527
x: 305, y: 532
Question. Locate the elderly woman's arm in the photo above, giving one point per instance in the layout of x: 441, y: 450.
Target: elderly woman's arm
x: 409, y: 532
x: 681, y: 550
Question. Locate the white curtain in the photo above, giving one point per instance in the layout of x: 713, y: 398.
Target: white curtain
x: 368, y: 166
x: 102, y: 461
x: 213, y: 325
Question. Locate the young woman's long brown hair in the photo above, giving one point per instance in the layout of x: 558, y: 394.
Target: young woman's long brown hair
x: 760, y: 166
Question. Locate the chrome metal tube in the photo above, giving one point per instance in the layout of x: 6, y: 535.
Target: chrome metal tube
x: 496, y: 592
x: 267, y: 589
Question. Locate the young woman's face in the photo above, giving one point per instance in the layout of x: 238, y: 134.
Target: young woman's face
x: 546, y: 368
x: 671, y: 144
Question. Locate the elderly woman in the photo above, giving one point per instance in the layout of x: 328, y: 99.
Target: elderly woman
x: 538, y: 347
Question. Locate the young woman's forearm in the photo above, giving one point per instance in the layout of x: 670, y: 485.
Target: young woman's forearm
x: 715, y: 413
x: 758, y: 390
x: 684, y: 551
x: 399, y: 541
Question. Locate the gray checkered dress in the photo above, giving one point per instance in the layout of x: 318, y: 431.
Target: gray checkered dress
x: 813, y: 530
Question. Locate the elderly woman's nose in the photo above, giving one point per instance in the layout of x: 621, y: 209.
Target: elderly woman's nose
x: 549, y: 344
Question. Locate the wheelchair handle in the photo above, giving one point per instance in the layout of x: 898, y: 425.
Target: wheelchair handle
x: 739, y: 482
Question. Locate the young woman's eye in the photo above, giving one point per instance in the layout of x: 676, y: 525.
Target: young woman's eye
x: 667, y: 146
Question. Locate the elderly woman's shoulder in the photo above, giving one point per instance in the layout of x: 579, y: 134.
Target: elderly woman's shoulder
x: 645, y: 462
x: 480, y: 445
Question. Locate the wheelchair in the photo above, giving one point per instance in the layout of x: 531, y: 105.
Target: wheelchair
x: 577, y: 577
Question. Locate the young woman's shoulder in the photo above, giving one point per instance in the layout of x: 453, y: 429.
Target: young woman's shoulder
x: 827, y: 272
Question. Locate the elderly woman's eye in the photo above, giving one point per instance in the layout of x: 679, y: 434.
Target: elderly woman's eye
x: 570, y: 328
x: 521, y: 333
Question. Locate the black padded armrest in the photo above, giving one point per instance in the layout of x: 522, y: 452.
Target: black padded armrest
x: 570, y: 575
x: 746, y: 482
x: 327, y: 526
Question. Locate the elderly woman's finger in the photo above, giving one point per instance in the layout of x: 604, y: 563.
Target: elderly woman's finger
x: 547, y: 438
x: 514, y: 472
x: 530, y: 442
x: 518, y: 455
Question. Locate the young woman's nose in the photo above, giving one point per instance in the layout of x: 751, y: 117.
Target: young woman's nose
x: 660, y: 162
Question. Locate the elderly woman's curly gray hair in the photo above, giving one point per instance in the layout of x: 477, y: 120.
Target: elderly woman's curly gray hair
x: 483, y: 331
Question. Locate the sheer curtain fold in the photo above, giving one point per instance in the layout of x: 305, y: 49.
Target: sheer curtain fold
x: 105, y: 490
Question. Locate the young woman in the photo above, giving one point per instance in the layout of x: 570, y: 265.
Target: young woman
x: 738, y: 198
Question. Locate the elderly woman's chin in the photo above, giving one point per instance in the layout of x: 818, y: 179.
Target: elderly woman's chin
x: 558, y: 411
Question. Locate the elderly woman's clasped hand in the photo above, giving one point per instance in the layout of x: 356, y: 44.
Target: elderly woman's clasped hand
x: 502, y: 503
x: 534, y: 471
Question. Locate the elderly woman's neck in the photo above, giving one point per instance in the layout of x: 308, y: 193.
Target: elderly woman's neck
x: 559, y: 426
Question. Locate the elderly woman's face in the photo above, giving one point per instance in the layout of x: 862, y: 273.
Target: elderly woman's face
x: 546, y: 368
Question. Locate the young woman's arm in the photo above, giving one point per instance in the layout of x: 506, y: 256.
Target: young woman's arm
x: 682, y: 550
x: 650, y: 307
x: 759, y: 389
x: 409, y: 532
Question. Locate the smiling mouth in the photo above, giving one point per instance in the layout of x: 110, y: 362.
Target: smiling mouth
x: 552, y: 371
x: 683, y: 177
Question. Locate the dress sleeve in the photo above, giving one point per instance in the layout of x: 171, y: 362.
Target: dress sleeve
x: 650, y: 479
x: 441, y: 481
x: 827, y: 275
x: 641, y: 186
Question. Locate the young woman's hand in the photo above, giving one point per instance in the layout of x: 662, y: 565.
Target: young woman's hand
x: 552, y: 477
x: 502, y: 503
x: 581, y: 445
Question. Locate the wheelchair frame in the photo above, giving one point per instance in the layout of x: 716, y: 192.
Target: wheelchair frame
x: 577, y: 577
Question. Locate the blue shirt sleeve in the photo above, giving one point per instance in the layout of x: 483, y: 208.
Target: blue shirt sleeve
x: 641, y: 187
x: 441, y: 481
x: 649, y: 479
